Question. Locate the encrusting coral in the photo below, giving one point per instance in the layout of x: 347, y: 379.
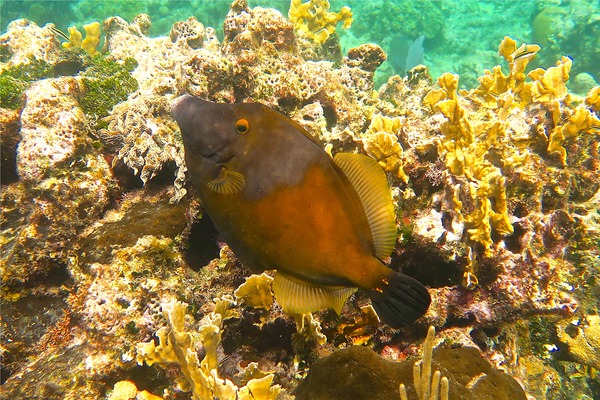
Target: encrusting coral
x: 126, y: 390
x: 581, y: 338
x: 442, y: 373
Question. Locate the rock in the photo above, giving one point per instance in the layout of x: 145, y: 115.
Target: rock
x: 360, y: 373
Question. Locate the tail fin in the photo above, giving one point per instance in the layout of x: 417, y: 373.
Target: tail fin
x: 401, y: 301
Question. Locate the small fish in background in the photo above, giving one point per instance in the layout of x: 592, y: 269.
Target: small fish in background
x: 281, y: 202
x: 414, y: 56
x: 405, y: 53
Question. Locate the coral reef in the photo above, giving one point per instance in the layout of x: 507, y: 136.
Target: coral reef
x: 50, y: 136
x: 358, y: 372
x: 496, y: 191
x: 64, y: 183
x: 582, y: 340
x: 313, y: 19
x: 24, y: 41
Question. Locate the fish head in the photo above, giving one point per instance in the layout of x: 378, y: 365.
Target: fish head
x: 211, y: 130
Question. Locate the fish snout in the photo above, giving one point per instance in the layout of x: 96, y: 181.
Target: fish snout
x: 178, y: 107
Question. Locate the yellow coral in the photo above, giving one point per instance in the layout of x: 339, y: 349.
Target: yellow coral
x: 123, y: 390
x: 91, y: 41
x: 448, y: 84
x: 504, y: 92
x: 479, y: 147
x: 309, y: 328
x: 75, y: 39
x: 582, y: 120
x: 583, y: 339
x: 176, y: 345
x: 256, y: 292
x: 550, y: 84
x: 495, y: 83
x: 259, y: 389
x: 92, y: 38
x: 126, y: 390
x: 381, y: 143
x: 593, y: 98
x: 313, y: 19
x: 465, y: 156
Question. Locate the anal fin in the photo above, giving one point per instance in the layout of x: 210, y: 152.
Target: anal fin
x: 300, y: 297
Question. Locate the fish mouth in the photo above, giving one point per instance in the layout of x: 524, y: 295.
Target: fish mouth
x: 217, y: 156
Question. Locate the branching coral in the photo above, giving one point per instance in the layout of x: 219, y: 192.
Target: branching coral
x: 427, y: 387
x: 177, y: 345
x: 504, y: 92
x: 581, y: 120
x: 313, y: 19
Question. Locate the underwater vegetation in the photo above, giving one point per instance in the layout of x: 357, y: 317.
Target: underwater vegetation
x: 115, y: 283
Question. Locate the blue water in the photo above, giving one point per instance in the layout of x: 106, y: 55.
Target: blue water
x: 459, y: 36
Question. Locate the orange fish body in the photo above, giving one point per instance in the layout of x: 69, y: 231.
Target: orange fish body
x: 281, y: 202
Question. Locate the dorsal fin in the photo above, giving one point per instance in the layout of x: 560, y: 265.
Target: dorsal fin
x: 371, y: 184
x: 300, y: 297
x: 276, y: 114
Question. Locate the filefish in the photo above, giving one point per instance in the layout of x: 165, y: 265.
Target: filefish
x: 281, y: 202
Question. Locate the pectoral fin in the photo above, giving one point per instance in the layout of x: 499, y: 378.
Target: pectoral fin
x: 300, y: 297
x: 227, y: 181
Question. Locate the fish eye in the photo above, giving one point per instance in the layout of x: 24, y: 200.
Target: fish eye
x: 242, y: 126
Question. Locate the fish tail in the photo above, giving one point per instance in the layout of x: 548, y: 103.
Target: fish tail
x: 399, y: 300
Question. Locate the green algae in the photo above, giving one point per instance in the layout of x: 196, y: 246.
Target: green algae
x: 15, y: 80
x: 107, y: 83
